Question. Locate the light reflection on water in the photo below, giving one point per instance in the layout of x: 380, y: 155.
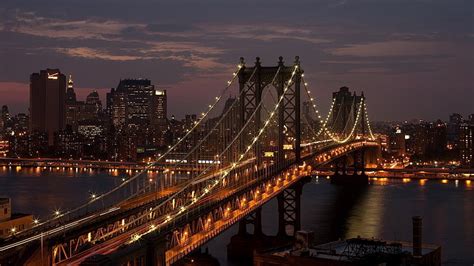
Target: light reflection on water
x: 381, y: 210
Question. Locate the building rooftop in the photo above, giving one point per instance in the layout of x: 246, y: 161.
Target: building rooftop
x: 355, y: 250
x: 4, y: 200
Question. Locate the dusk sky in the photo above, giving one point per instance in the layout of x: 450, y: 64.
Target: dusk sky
x: 412, y: 59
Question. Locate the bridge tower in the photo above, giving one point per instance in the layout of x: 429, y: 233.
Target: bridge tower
x: 289, y: 127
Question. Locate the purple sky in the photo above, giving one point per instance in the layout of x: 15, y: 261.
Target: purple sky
x: 413, y: 59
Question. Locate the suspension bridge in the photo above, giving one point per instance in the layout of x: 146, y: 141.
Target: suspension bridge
x: 252, y: 144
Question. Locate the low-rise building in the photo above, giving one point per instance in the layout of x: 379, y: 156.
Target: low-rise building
x: 12, y: 223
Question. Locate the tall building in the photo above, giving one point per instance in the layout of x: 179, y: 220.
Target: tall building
x: 72, y: 106
x: 158, y: 112
x: 466, y: 146
x: 47, y: 102
x: 93, y: 100
x: 119, y: 108
x: 70, y: 94
x: 135, y: 101
x: 138, y: 96
x: 92, y: 107
x: 453, y: 130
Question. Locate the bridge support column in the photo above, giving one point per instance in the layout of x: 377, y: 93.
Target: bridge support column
x: 289, y: 210
x: 256, y: 219
x: 155, y: 251
x: 358, y: 176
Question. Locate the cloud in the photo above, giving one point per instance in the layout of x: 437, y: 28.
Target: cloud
x: 366, y: 70
x: 393, y: 48
x: 31, y: 24
x: 89, y: 53
x: 114, y: 45
x: 265, y: 32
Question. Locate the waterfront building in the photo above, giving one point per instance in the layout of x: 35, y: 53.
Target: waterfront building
x: 68, y: 143
x: 47, y: 102
x: 12, y: 223
x: 4, y: 147
x: 466, y: 146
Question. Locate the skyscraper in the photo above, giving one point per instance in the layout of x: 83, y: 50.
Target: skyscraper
x: 139, y: 93
x: 47, y: 102
x: 158, y: 108
x: 73, y: 107
x: 70, y: 94
x: 119, y: 108
x: 135, y: 101
x: 466, y: 144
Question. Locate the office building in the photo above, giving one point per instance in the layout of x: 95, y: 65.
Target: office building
x: 158, y: 108
x: 466, y: 147
x: 138, y: 99
x: 47, y: 102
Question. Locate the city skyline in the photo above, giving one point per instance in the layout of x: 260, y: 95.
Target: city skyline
x: 426, y: 55
x: 211, y: 132
x: 81, y: 94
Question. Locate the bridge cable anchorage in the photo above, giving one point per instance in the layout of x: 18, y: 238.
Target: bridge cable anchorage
x: 76, y: 212
x: 225, y: 173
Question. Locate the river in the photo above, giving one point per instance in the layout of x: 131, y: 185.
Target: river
x: 381, y: 210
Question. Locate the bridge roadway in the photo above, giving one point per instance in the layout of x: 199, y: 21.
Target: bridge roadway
x: 127, y: 208
x: 326, y: 152
x: 292, y: 175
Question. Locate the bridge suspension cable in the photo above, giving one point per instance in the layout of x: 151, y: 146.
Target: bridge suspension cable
x: 98, y: 200
x: 214, y: 182
x: 324, y: 127
x: 334, y: 138
x: 372, y: 137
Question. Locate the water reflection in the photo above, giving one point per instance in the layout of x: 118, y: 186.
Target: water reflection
x: 366, y: 215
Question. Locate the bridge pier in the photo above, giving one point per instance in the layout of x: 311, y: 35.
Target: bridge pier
x: 255, y: 219
x: 342, y: 166
x: 244, y: 243
x: 289, y: 210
